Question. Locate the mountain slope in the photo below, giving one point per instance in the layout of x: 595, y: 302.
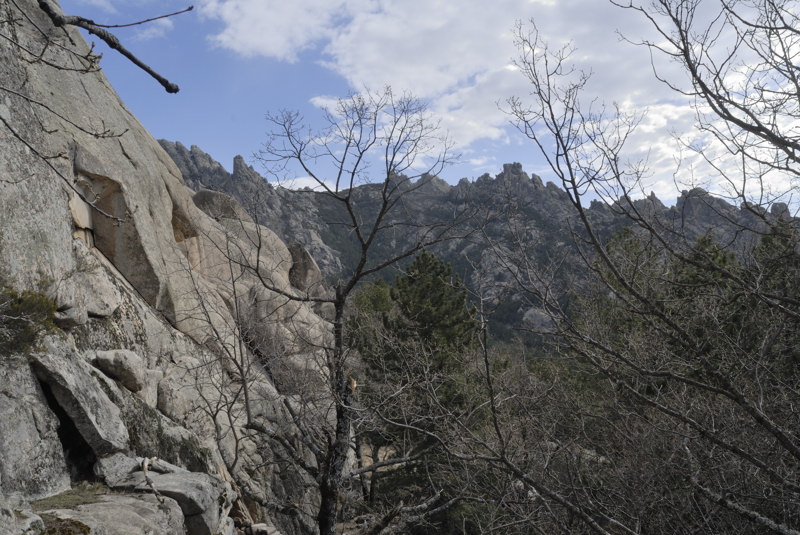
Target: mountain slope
x: 510, y: 206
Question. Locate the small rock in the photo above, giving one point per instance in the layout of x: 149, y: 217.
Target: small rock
x: 124, y: 366
x: 20, y: 522
x: 114, y: 469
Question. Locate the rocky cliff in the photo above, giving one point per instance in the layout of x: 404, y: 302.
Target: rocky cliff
x: 126, y: 415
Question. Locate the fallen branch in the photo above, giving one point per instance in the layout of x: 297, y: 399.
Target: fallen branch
x: 110, y: 39
x: 145, y: 466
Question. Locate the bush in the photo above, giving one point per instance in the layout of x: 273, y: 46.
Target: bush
x: 23, y: 316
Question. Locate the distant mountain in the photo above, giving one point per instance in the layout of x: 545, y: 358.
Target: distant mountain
x: 512, y: 199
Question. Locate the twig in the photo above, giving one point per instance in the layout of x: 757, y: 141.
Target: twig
x: 141, y: 21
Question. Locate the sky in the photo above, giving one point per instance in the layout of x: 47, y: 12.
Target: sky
x: 237, y: 60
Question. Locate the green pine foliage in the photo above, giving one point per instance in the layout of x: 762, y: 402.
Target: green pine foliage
x: 417, y: 340
x: 688, y: 338
x: 433, y: 305
x: 23, y: 316
x: 426, y: 306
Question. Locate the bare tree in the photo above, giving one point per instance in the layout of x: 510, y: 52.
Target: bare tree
x: 389, y: 145
x: 691, y: 339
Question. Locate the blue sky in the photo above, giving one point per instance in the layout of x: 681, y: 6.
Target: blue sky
x: 236, y: 60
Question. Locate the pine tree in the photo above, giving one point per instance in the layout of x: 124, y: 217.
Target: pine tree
x: 416, y: 338
x: 433, y: 307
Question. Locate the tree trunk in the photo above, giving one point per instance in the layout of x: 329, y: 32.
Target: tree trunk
x: 329, y: 496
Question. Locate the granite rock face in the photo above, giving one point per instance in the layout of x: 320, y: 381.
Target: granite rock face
x: 96, y: 217
x: 76, y: 391
x: 220, y: 206
x: 123, y: 365
x: 14, y: 521
x: 295, y: 217
x: 115, y: 514
x: 304, y: 274
x: 32, y: 461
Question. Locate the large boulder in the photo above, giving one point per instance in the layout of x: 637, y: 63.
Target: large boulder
x: 204, y: 499
x: 124, y: 366
x: 17, y: 521
x: 81, y: 396
x: 118, y: 514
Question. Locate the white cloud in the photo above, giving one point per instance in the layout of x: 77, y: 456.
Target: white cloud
x: 428, y: 47
x: 105, y: 5
x: 458, y: 56
x: 154, y: 29
x: 276, y: 29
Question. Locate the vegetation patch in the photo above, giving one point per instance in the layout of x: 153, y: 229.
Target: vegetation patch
x: 23, y: 316
x: 80, y: 494
x: 64, y: 526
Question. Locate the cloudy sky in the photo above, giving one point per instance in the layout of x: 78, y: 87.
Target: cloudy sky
x: 236, y: 60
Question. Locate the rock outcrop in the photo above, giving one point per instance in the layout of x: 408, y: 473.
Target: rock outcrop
x: 295, y: 217
x: 123, y: 365
x: 151, y: 294
x: 203, y: 499
x: 114, y: 514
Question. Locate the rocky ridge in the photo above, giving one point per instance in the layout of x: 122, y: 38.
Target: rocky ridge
x: 273, y: 207
x: 542, y: 209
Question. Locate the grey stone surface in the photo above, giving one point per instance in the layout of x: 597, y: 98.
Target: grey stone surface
x: 202, y: 498
x: 110, y: 232
x: 85, y: 291
x: 294, y: 216
x: 262, y: 529
x: 115, y: 469
x: 176, y: 396
x: 81, y: 396
x: 220, y: 206
x: 149, y: 391
x: 117, y: 514
x: 305, y: 274
x: 31, y: 455
x: 124, y: 366
x: 120, y: 470
x: 227, y: 527
x: 19, y: 521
